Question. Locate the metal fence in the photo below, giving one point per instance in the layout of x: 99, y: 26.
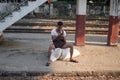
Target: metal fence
x: 13, y: 1
x: 55, y: 9
x: 7, y: 7
x: 67, y: 10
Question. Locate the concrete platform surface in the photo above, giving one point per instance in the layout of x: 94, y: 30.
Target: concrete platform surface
x: 28, y: 52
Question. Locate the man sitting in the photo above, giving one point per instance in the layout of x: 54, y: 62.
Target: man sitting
x: 55, y: 33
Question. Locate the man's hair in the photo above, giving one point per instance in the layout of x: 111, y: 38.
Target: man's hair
x: 59, y: 23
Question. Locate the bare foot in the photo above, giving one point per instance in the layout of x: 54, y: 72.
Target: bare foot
x: 48, y: 64
x: 75, y: 61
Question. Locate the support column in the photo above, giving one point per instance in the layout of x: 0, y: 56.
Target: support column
x: 1, y: 37
x: 80, y: 22
x: 113, y: 31
x: 49, y: 1
x: 51, y: 10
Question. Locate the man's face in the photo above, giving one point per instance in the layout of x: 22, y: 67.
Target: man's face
x: 59, y: 28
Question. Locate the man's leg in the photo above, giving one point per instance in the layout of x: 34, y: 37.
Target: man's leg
x: 51, y: 47
x: 71, y: 52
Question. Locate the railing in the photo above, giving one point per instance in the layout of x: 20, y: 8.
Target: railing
x: 13, y: 1
x: 16, y: 6
x: 7, y: 1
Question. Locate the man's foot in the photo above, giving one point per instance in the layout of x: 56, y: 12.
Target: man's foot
x: 75, y: 61
x: 48, y: 64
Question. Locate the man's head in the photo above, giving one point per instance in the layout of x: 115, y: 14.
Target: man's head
x: 59, y: 25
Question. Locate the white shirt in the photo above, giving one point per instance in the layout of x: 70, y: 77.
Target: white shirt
x: 54, y: 33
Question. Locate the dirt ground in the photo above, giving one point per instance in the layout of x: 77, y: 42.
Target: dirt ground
x: 28, y: 52
x: 61, y: 78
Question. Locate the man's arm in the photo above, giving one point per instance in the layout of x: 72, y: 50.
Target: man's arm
x: 55, y: 37
x: 64, y: 37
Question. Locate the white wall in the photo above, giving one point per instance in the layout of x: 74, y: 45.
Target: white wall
x: 119, y: 10
x: 81, y: 7
x: 114, y: 7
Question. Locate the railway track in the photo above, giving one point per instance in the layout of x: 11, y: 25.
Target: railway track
x: 93, y: 26
x: 70, y: 31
